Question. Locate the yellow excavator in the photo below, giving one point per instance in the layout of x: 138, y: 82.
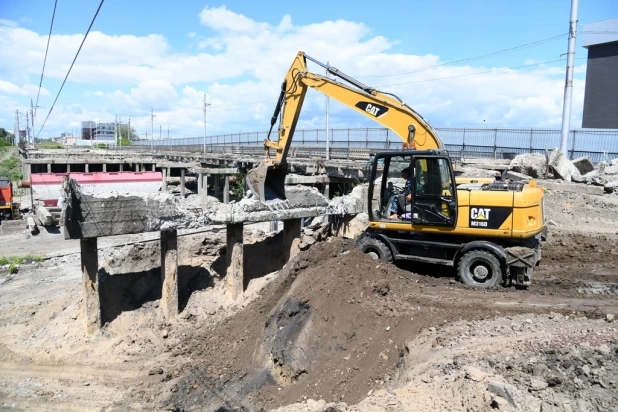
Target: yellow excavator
x: 490, y: 231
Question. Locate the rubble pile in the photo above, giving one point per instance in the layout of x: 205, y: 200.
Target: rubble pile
x: 555, y: 166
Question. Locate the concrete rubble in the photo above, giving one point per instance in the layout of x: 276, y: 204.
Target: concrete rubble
x: 530, y: 164
x: 561, y: 166
x: 553, y: 172
x: 90, y: 215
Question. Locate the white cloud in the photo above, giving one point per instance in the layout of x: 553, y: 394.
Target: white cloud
x: 241, y: 66
x: 7, y: 22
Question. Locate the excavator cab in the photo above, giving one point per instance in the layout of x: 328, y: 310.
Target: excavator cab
x: 413, y: 186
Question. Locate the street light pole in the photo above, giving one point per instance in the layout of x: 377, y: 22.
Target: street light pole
x: 568, y: 86
x: 205, y: 106
x: 152, y: 116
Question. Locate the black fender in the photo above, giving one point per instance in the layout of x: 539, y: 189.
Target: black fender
x: 483, y: 245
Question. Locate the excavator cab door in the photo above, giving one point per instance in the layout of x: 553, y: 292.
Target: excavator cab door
x: 434, y: 197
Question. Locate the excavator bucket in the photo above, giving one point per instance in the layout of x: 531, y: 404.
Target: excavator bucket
x: 267, y: 182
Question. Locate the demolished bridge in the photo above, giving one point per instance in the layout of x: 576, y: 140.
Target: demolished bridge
x: 88, y: 216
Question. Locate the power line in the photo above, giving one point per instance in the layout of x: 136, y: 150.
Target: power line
x: 471, y: 74
x: 511, y: 49
x: 46, y: 49
x: 67, y: 76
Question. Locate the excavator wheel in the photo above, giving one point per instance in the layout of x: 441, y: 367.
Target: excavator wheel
x: 480, y: 268
x: 376, y: 248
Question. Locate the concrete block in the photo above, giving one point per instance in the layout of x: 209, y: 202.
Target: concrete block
x: 517, y: 177
x: 169, y: 273
x: 291, y: 236
x: 234, y: 276
x: 90, y: 281
x: 44, y: 216
x: 531, y: 164
x: 32, y: 226
x: 571, y: 187
x: 350, y: 227
x: 583, y: 164
x: 562, y: 167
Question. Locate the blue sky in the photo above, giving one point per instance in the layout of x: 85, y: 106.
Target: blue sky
x: 165, y: 55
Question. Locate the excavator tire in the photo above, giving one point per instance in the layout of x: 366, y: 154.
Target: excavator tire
x: 376, y: 247
x: 480, y: 268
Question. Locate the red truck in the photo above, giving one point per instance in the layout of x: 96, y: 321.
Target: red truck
x: 6, y: 199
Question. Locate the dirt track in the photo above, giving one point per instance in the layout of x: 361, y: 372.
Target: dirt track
x: 332, y: 325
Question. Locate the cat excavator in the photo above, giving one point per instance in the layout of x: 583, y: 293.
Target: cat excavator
x: 490, y: 231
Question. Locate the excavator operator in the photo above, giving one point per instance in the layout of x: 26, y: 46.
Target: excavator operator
x: 395, y: 200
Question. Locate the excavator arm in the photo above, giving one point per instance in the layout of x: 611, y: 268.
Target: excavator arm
x: 268, y: 179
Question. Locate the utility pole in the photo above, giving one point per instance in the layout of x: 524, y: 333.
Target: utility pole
x: 32, y: 111
x: 159, y: 132
x: 205, y: 106
x: 568, y: 86
x: 152, y: 116
x: 27, y: 128
x: 327, y: 119
x: 168, y: 132
x: 16, y: 129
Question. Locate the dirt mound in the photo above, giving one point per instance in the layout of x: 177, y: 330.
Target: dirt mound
x: 549, y: 363
x: 581, y: 212
x: 332, y: 326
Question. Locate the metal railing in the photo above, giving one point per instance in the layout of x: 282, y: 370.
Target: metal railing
x: 358, y: 143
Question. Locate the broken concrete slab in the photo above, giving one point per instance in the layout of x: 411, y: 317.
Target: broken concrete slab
x: 517, y: 177
x: 44, y: 216
x: 531, y: 164
x: 89, y: 215
x: 93, y: 215
x: 486, y: 164
x: 350, y: 227
x: 561, y: 166
x: 583, y: 164
x: 571, y: 187
x: 476, y: 173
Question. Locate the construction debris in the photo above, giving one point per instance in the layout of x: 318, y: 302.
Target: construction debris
x: 561, y: 166
x: 524, y: 167
x: 530, y: 164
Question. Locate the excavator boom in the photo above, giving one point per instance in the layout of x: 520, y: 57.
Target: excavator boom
x: 267, y: 180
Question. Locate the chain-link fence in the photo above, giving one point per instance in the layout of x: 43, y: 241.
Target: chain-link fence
x: 597, y: 144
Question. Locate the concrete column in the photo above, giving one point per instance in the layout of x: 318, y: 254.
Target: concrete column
x: 104, y: 167
x: 204, y: 194
x: 154, y: 167
x: 138, y: 167
x: 327, y: 190
x: 86, y: 168
x: 182, y: 183
x: 274, y: 226
x: 164, y: 181
x: 226, y: 189
x: 291, y: 237
x: 200, y: 177
x: 68, y: 168
x: 121, y: 167
x: 217, y: 185
x: 235, y: 260
x: 169, y: 273
x: 48, y: 167
x: 90, y: 280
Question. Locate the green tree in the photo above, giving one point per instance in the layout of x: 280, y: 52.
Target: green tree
x: 126, y: 136
x: 6, y: 137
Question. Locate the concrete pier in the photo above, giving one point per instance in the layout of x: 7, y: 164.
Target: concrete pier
x: 183, y: 189
x: 291, y: 237
x: 234, y: 276
x: 90, y: 281
x: 164, y: 183
x: 226, y: 189
x: 169, y: 273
